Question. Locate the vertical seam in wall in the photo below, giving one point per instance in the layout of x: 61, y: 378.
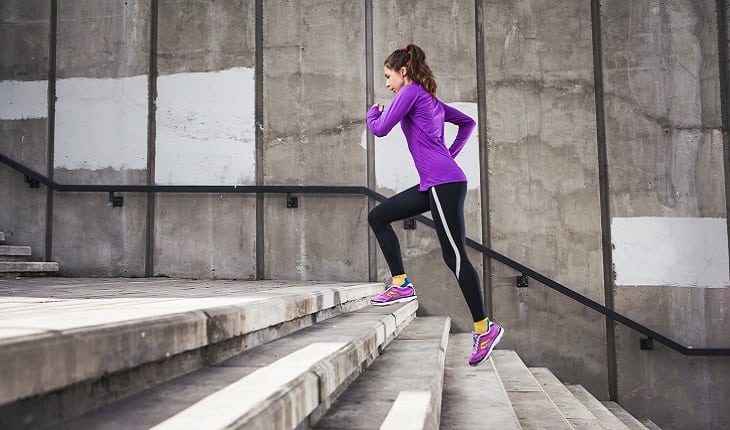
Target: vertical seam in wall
x: 370, y: 140
x: 259, y: 124
x: 50, y: 154
x: 604, y: 189
x: 722, y: 51
x: 151, y: 140
x: 483, y: 152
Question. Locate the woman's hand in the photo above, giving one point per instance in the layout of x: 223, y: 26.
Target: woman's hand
x: 380, y: 107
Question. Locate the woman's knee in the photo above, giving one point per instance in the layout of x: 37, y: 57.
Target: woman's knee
x: 374, y: 217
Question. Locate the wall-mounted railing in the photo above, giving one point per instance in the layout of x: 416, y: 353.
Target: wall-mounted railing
x: 35, y: 179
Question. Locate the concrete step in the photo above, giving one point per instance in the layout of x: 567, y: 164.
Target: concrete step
x: 69, y: 346
x: 622, y: 414
x: 274, y: 386
x: 402, y: 389
x: 607, y: 418
x: 26, y: 267
x: 579, y: 417
x: 533, y: 407
x: 14, y: 253
x: 649, y: 424
x: 473, y: 396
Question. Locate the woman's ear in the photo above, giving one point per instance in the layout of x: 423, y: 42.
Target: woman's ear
x: 403, y: 71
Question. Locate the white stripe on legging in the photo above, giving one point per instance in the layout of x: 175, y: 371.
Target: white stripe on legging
x: 448, y: 233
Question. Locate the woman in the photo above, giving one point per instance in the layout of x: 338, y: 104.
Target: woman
x: 442, y: 187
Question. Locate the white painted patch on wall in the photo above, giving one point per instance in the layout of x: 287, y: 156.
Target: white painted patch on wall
x: 101, y: 123
x: 205, y: 128
x: 23, y: 100
x: 394, y: 168
x: 686, y: 252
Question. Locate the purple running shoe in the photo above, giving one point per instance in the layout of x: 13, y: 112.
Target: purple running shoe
x: 394, y: 294
x: 485, y: 343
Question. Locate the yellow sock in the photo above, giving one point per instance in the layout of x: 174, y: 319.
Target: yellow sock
x: 399, y: 280
x: 481, y: 326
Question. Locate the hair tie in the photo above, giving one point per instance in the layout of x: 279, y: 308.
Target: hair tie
x: 405, y: 49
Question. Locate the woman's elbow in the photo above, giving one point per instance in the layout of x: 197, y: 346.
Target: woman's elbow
x: 378, y: 132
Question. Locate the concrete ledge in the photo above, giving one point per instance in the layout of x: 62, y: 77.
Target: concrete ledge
x: 14, y: 251
x: 403, y: 386
x: 45, y: 348
x: 27, y: 267
x: 274, y: 386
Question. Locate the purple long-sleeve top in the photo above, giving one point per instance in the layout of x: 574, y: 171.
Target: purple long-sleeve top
x: 422, y: 118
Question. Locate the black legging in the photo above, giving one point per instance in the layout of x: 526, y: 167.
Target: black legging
x: 446, y: 203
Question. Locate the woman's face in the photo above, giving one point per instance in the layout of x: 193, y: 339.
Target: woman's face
x: 394, y: 80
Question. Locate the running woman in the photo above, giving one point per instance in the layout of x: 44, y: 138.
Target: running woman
x: 441, y: 191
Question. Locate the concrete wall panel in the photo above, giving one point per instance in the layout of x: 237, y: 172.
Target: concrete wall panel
x: 696, y: 317
x: 314, y: 104
x: 445, y: 31
x: 205, y: 236
x: 663, y: 109
x: 205, y: 36
x: 543, y: 182
x: 314, y: 241
x: 101, y: 135
x: 92, y: 238
x: 23, y: 118
x: 205, y: 136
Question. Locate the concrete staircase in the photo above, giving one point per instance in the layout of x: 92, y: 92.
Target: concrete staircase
x: 151, y: 353
x: 15, y: 261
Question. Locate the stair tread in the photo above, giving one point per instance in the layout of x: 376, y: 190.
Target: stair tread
x: 572, y: 409
x: 275, y: 385
x: 471, y: 393
x: 377, y: 394
x: 27, y: 266
x: 14, y: 250
x: 622, y: 414
x: 533, y: 407
x: 50, y: 324
x: 607, y: 418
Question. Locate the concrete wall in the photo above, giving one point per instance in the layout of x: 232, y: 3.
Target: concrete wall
x: 663, y: 120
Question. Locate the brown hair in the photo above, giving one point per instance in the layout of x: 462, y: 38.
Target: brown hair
x: 414, y: 60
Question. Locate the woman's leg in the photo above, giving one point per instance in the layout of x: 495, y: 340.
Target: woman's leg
x: 447, y: 209
x: 403, y: 205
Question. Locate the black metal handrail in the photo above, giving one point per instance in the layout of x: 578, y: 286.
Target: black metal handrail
x: 32, y: 175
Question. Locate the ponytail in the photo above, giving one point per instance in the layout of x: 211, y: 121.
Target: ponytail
x: 413, y: 59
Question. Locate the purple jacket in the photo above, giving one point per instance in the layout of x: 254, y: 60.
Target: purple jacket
x: 422, y: 118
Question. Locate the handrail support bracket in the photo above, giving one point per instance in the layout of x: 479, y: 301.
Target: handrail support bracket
x: 116, y: 201
x: 522, y: 281
x: 646, y: 343
x: 292, y: 201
